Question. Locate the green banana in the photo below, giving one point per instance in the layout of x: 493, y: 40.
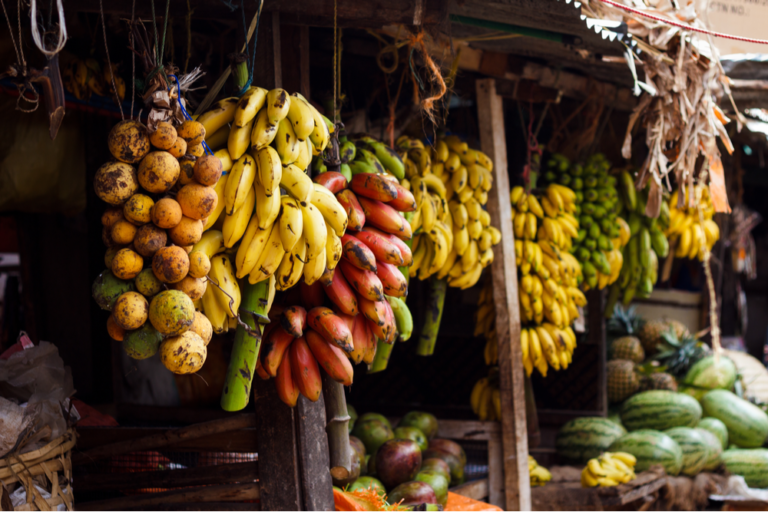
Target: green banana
x: 389, y: 159
x: 347, y: 151
x: 627, y: 187
x: 346, y: 171
x: 360, y: 166
x: 366, y: 156
x: 381, y: 359
x: 436, y: 301
x: 403, y: 317
x: 613, y: 297
x: 644, y: 247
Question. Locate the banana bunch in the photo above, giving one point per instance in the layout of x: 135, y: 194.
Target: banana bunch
x: 453, y: 233
x: 85, y: 77
x: 692, y: 238
x: 609, y: 469
x: 539, y: 474
x: 643, y: 241
x: 486, y: 397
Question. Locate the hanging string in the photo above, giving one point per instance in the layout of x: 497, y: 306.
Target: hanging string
x: 165, y: 31
x: 37, y: 36
x: 252, y: 54
x: 392, y: 109
x: 19, y: 56
x: 21, y: 44
x: 109, y: 61
x: 133, y: 58
x: 189, y: 36
x: 184, y: 110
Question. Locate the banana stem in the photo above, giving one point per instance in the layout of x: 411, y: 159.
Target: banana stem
x: 239, y: 71
x: 381, y: 359
x: 337, y: 427
x: 245, y: 351
x: 434, y: 314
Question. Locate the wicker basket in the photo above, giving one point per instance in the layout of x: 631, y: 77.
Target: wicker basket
x: 45, y: 465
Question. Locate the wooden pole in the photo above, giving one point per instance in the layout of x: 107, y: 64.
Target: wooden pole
x: 514, y: 437
x: 337, y: 426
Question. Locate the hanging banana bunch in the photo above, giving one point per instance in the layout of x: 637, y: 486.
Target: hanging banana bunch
x: 690, y: 238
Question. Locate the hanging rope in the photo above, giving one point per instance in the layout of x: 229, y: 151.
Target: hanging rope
x: 335, y: 56
x: 19, y: 54
x: 428, y: 103
x: 37, y: 36
x: 252, y: 54
x: 133, y: 57
x: 392, y: 110
x: 184, y: 110
x: 109, y: 61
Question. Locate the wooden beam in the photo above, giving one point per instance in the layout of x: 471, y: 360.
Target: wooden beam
x: 233, y: 492
x: 476, y: 489
x: 242, y: 440
x: 314, y: 462
x: 514, y: 435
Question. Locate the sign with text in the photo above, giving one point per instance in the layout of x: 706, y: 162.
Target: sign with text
x: 745, y: 18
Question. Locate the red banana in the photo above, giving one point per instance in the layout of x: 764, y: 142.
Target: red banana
x: 391, y: 325
x: 360, y: 337
x: 260, y: 371
x: 357, y: 253
x: 275, y: 311
x: 386, y: 330
x: 312, y: 295
x: 404, y: 202
x: 273, y: 349
x: 370, y: 348
x: 355, y: 215
x: 286, y: 387
x: 294, y: 320
x: 342, y: 295
x: 364, y: 282
x: 385, y: 218
x: 373, y: 310
x: 333, y: 181
x: 380, y: 246
x: 330, y: 358
x: 373, y: 186
x: 330, y: 327
x: 405, y: 251
x: 392, y: 279
x: 304, y: 369
x: 327, y: 277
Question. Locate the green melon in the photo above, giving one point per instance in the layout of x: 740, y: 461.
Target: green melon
x: 747, y: 424
x: 694, y: 446
x: 751, y: 464
x: 582, y: 439
x: 707, y: 374
x: 651, y: 447
x: 715, y: 449
x: 660, y: 410
x: 717, y: 427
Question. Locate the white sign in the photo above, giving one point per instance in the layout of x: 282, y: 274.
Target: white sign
x: 745, y: 18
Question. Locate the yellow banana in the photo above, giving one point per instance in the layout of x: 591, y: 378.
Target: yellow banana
x: 235, y: 225
x: 314, y: 268
x: 330, y: 208
x: 267, y: 206
x: 291, y: 222
x: 296, y: 182
x: 252, y: 252
x: 263, y: 132
x: 292, y: 267
x: 219, y: 116
x: 219, y: 188
x: 301, y: 118
x: 239, y: 140
x: 249, y: 105
x: 278, y: 103
x: 239, y: 182
x: 269, y: 259
x: 286, y: 143
x: 315, y: 231
x: 270, y: 170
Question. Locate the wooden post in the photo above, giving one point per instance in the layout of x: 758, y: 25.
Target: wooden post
x: 596, y: 326
x: 514, y: 436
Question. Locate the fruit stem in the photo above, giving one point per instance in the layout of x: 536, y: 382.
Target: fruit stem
x: 338, y: 418
x: 245, y: 351
x: 434, y: 314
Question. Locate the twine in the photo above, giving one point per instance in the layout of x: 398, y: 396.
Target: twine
x: 428, y: 103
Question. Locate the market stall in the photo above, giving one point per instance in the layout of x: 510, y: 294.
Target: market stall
x: 350, y: 256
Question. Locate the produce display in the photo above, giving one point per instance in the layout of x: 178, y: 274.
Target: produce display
x: 609, y: 469
x: 407, y: 464
x: 539, y: 474
x: 582, y: 439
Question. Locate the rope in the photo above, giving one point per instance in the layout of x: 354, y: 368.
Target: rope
x: 189, y: 36
x: 165, y: 31
x: 10, y: 30
x: 682, y: 25
x: 335, y: 55
x: 109, y: 60
x: 133, y: 58
x: 428, y: 104
x: 184, y: 111
x: 21, y: 44
x: 157, y: 38
x: 36, y: 36
x: 392, y: 106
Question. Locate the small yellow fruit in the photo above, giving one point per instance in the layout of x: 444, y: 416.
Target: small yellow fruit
x: 187, y: 169
x: 137, y: 209
x: 187, y: 232
x: 166, y: 213
x: 110, y: 255
x: 192, y: 132
x: 197, y: 150
x: 111, y: 215
x: 192, y: 286
x: 128, y: 141
x: 127, y: 264
x: 199, y: 264
x: 115, y: 182
x: 158, y: 172
x: 170, y: 264
x: 115, y: 332
x: 197, y: 201
x: 123, y: 232
x: 202, y: 326
x: 171, y: 312
x: 131, y: 310
x: 147, y: 284
x: 149, y: 239
x: 183, y: 354
x: 179, y: 148
x: 208, y: 170
x: 164, y: 137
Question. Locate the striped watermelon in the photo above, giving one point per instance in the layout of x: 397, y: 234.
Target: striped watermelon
x: 582, y: 439
x: 747, y: 424
x: 751, y: 464
x: 715, y: 449
x: 651, y: 447
x: 695, y: 449
x: 660, y: 410
x: 707, y: 374
x: 717, y: 427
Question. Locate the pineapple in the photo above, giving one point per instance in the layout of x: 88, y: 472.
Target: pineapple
x: 623, y: 380
x: 627, y: 347
x: 650, y: 334
x: 624, y: 322
x: 660, y: 380
x: 680, y: 330
x: 678, y: 354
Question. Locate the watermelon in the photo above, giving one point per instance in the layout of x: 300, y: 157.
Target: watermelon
x: 751, y: 464
x: 695, y: 449
x: 585, y: 438
x: 651, y: 447
x: 747, y: 424
x: 717, y: 427
x: 715, y: 449
x: 660, y: 410
x: 707, y: 374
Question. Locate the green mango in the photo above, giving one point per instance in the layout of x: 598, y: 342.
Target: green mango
x: 564, y: 179
x: 590, y: 181
x: 600, y: 212
x: 591, y: 244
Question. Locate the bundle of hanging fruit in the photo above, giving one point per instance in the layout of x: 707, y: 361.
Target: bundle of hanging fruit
x: 485, y: 398
x: 692, y: 230
x: 548, y: 275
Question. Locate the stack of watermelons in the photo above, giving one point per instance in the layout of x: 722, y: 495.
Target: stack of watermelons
x: 667, y: 428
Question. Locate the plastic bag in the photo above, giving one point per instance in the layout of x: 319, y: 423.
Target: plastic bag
x: 38, y: 174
